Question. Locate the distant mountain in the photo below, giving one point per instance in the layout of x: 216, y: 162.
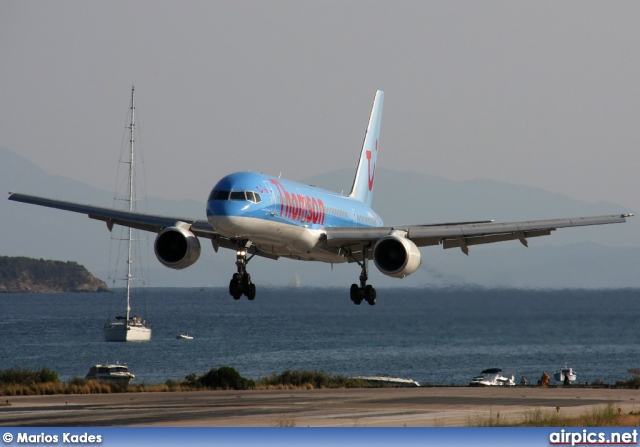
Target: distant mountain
x: 20, y: 274
x: 592, y: 257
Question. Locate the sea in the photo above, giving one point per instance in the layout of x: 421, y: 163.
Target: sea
x: 434, y: 336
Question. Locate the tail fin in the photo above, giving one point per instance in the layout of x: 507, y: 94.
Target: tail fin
x: 365, y: 175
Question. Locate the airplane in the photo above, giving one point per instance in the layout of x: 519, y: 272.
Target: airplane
x: 262, y: 215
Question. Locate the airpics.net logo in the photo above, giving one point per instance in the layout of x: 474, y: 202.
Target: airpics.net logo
x: 589, y: 437
x: 43, y: 438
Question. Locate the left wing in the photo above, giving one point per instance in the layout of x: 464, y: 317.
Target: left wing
x: 463, y: 235
x: 141, y: 221
x: 147, y: 222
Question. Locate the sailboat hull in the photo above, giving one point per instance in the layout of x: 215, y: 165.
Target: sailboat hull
x: 121, y: 332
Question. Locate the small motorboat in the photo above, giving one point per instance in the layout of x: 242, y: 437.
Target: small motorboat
x: 386, y: 381
x: 110, y: 373
x: 493, y: 377
x: 565, y: 372
x: 184, y: 337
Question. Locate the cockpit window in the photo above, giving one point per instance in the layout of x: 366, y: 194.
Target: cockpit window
x: 235, y: 195
x: 219, y: 195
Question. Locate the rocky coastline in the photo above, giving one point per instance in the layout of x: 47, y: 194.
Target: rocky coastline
x: 28, y: 275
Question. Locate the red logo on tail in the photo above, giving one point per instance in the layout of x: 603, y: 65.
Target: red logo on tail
x: 371, y: 175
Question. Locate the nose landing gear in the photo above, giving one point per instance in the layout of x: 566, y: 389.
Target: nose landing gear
x: 241, y: 283
x: 364, y: 292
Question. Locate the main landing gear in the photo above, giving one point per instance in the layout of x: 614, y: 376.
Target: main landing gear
x: 364, y: 292
x: 241, y: 283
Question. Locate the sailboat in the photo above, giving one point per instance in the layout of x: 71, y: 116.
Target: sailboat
x: 128, y: 327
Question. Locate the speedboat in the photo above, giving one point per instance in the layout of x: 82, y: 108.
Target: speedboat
x: 565, y: 372
x: 388, y: 381
x: 184, y: 337
x: 110, y: 373
x: 493, y: 377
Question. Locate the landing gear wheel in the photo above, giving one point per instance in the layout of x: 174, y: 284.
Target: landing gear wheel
x: 251, y: 293
x: 355, y: 294
x: 246, y: 280
x: 235, y: 289
x: 370, y: 295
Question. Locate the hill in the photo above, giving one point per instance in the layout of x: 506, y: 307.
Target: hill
x: 21, y: 274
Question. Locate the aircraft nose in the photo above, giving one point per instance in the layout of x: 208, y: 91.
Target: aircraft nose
x: 225, y: 217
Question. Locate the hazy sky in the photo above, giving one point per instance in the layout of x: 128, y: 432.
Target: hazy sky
x: 541, y: 93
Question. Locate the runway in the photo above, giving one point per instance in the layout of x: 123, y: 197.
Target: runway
x: 379, y: 407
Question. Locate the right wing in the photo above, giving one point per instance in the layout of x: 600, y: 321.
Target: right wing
x: 464, y: 234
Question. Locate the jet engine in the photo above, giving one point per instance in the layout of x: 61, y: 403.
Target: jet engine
x: 177, y: 247
x: 396, y: 256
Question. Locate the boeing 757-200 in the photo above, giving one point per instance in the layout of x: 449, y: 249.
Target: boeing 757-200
x: 257, y: 214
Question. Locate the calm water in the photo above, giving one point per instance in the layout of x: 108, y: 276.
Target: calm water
x: 432, y: 336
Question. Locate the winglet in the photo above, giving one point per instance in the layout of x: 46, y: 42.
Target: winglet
x: 365, y: 175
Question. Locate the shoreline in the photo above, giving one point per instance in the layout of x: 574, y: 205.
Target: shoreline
x: 353, y: 407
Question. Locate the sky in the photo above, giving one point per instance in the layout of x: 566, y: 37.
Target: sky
x: 539, y: 93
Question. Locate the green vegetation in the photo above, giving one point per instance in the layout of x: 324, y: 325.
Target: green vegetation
x: 21, y: 274
x: 633, y: 383
x: 308, y: 380
x: 227, y: 378
x: 223, y: 378
x: 22, y: 382
x: 19, y: 376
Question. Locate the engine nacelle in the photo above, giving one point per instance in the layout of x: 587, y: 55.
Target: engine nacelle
x: 176, y: 247
x: 396, y: 256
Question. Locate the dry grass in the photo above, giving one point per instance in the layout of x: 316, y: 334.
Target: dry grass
x: 82, y: 386
x: 280, y: 386
x: 605, y: 416
x: 283, y: 421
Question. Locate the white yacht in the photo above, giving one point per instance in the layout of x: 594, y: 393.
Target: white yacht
x: 110, y: 373
x: 127, y: 329
x: 493, y: 377
x: 565, y: 372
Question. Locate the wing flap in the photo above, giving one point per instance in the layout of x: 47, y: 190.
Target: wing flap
x: 489, y: 239
x: 336, y: 236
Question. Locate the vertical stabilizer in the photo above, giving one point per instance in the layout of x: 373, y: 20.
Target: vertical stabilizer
x: 365, y: 175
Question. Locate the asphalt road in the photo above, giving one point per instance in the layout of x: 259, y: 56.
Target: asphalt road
x: 387, y: 407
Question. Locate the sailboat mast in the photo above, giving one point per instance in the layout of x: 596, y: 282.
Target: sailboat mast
x: 131, y: 186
